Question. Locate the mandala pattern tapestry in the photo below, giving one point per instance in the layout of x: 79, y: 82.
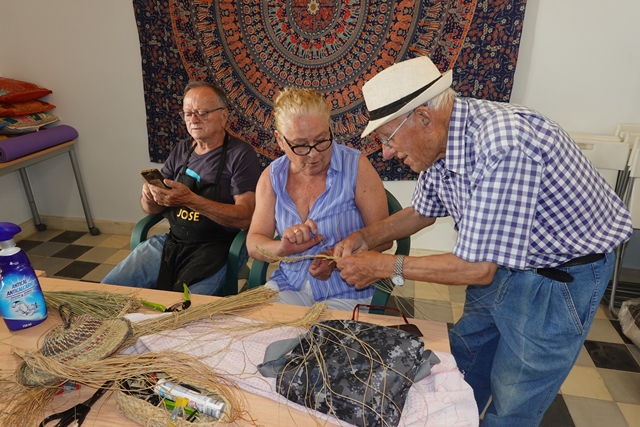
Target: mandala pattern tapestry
x: 253, y: 48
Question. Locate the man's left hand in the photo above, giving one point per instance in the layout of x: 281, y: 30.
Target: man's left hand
x: 363, y: 268
x: 178, y: 194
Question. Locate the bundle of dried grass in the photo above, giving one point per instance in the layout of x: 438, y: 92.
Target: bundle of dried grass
x: 25, y: 405
x: 102, y: 305
x: 294, y: 258
x: 384, y: 284
x: 232, y: 304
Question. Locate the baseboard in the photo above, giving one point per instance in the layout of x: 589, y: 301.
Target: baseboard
x: 80, y: 224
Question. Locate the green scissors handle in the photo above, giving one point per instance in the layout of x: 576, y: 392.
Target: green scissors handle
x: 175, y: 307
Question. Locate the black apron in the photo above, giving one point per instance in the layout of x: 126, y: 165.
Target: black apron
x: 196, y: 247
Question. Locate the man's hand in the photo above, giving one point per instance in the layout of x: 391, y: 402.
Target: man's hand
x: 363, y: 268
x: 147, y: 195
x: 352, y: 244
x: 178, y: 194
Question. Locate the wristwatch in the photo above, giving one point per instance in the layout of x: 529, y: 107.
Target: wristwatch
x: 397, y: 278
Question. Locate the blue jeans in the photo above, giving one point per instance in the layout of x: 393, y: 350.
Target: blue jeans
x: 140, y: 269
x: 533, y: 328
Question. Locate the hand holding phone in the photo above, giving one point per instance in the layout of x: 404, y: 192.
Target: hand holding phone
x: 153, y: 177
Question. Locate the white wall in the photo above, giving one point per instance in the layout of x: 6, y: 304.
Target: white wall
x: 579, y: 64
x: 88, y: 53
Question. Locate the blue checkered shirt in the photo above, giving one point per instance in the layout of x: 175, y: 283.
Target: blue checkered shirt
x: 520, y: 191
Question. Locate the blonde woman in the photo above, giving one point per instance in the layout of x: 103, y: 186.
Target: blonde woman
x: 315, y: 195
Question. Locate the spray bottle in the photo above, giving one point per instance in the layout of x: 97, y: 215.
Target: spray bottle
x: 22, y: 302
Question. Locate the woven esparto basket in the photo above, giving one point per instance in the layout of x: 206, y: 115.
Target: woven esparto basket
x: 148, y: 415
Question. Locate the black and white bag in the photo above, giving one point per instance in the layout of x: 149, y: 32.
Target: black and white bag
x: 355, y: 371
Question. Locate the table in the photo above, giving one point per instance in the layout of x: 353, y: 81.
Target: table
x: 22, y: 163
x: 265, y: 411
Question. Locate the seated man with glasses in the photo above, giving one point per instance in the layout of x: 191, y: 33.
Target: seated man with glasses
x: 212, y: 179
x: 313, y: 196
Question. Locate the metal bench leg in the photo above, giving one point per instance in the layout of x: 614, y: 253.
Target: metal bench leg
x: 617, y: 266
x: 32, y: 202
x: 83, y: 195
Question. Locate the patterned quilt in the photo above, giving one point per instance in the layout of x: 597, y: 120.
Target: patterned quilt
x: 253, y: 48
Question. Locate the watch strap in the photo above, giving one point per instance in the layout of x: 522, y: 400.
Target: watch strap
x: 397, y: 270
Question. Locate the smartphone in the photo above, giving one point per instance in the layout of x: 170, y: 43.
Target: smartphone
x: 153, y: 177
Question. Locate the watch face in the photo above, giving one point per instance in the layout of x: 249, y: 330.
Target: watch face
x: 397, y: 280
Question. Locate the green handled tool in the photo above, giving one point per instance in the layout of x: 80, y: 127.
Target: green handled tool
x: 179, y: 306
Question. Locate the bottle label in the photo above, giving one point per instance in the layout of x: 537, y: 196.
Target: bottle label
x: 203, y: 404
x: 21, y: 301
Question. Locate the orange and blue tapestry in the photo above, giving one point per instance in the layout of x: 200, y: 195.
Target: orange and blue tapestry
x: 254, y: 48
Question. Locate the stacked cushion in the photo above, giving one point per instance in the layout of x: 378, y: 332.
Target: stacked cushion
x: 10, y: 109
x: 20, y: 109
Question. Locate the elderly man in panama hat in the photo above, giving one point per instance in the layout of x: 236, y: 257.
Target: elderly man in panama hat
x: 536, y: 223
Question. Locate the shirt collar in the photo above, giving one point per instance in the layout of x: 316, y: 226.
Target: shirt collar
x: 336, y: 160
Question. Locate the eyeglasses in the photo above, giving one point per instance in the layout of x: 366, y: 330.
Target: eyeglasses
x: 200, y: 114
x: 386, y: 141
x: 303, y: 150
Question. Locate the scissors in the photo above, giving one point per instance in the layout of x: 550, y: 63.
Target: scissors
x: 179, y: 306
x: 76, y: 413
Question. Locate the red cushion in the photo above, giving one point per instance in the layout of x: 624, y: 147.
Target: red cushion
x: 18, y: 91
x: 27, y: 107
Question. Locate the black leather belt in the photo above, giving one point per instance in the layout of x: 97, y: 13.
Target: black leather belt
x: 562, y: 276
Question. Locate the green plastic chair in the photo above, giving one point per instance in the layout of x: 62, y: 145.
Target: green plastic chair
x: 258, y: 273
x: 230, y: 287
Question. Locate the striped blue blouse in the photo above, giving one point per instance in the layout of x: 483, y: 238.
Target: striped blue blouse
x: 334, y: 212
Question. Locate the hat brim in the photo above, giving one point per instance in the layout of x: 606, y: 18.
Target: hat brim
x: 440, y: 86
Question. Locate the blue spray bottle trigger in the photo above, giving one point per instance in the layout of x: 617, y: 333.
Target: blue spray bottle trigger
x: 7, y: 231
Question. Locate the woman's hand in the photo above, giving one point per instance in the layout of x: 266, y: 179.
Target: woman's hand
x: 321, y: 268
x: 300, y: 237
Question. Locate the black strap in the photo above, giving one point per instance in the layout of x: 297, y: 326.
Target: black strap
x: 558, y: 275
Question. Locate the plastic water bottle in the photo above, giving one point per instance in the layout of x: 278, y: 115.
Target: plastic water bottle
x: 22, y: 302
x: 201, y: 403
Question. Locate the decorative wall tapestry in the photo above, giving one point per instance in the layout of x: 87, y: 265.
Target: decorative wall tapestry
x: 253, y: 48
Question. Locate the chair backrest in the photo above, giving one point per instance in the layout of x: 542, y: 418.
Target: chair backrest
x: 607, y: 156
x: 632, y: 196
x: 627, y: 128
x: 258, y: 274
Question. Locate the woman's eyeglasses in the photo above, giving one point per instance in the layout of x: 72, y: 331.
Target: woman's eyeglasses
x: 200, y: 114
x: 303, y: 150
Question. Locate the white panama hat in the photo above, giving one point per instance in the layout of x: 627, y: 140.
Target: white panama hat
x: 402, y: 88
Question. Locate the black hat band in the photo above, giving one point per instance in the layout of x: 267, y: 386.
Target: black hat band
x: 397, y: 105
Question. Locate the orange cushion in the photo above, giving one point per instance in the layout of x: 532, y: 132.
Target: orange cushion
x: 20, y: 108
x: 18, y: 91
